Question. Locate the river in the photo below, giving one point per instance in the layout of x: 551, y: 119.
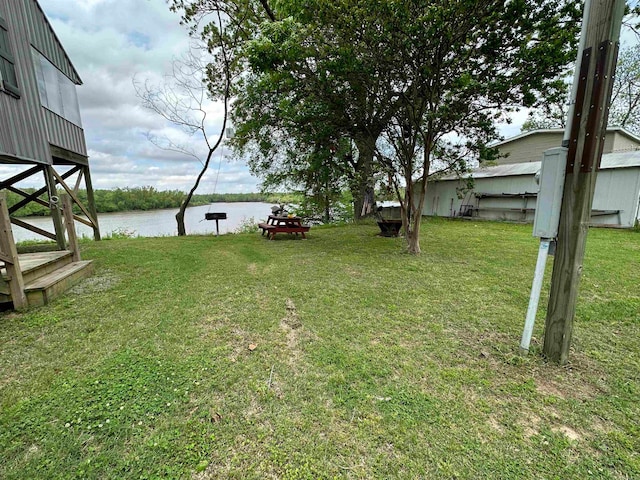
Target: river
x: 158, y: 223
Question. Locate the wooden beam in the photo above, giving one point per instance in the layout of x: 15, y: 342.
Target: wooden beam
x: 18, y: 160
x: 78, y: 180
x: 67, y: 209
x: 33, y: 228
x: 586, y: 142
x: 73, y: 196
x: 20, y: 176
x: 10, y: 253
x: 92, y: 203
x: 6, y: 258
x: 28, y: 198
x: 83, y: 220
x: 62, y: 156
x: 56, y: 216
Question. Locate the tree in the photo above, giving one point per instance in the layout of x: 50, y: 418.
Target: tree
x: 550, y: 111
x: 625, y: 98
x: 464, y: 63
x: 416, y: 72
x: 181, y: 101
x: 298, y: 92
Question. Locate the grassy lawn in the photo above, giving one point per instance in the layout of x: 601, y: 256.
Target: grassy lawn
x: 368, y: 362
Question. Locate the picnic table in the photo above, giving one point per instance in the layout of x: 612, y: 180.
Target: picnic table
x: 283, y: 224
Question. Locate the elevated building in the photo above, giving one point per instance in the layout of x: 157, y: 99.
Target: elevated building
x: 41, y: 131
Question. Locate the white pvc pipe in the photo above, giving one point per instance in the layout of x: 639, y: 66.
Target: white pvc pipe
x: 543, y: 253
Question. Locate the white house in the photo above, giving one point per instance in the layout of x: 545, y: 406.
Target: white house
x: 508, y: 191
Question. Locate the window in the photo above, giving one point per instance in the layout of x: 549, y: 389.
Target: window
x: 8, y: 78
x: 57, y: 92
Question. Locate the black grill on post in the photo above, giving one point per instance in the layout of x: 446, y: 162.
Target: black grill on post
x: 216, y: 216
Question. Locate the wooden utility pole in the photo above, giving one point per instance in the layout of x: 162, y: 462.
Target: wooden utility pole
x: 586, y: 141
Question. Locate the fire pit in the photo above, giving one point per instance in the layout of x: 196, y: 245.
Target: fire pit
x: 388, y: 227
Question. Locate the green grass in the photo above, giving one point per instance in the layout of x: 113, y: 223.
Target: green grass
x: 369, y: 363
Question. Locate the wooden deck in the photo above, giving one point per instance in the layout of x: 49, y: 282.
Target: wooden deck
x: 46, y: 275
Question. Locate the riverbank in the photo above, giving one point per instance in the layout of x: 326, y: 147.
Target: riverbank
x: 148, y: 198
x: 334, y: 357
x: 160, y: 223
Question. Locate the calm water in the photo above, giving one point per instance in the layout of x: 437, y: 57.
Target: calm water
x: 157, y: 223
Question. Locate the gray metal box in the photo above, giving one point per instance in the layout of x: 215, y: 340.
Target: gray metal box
x: 551, y: 180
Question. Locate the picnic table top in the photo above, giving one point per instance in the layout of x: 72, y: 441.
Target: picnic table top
x: 283, y: 217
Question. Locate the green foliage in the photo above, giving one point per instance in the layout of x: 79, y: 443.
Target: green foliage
x: 551, y: 111
x: 146, y: 198
x: 318, y: 209
x: 320, y: 77
x: 248, y: 225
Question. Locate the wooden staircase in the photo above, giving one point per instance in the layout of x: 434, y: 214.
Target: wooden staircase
x: 33, y: 279
x: 46, y: 275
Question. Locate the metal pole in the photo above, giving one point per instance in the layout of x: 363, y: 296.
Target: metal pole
x: 536, y: 288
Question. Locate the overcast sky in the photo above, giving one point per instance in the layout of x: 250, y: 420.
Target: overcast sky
x: 110, y: 42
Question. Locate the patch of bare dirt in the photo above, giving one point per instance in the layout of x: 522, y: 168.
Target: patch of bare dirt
x: 494, y: 424
x: 291, y: 324
x: 252, y: 268
x: 96, y: 283
x: 548, y: 387
x: 531, y: 425
x: 568, y: 432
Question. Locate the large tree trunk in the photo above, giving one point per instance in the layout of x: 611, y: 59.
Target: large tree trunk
x: 364, y: 184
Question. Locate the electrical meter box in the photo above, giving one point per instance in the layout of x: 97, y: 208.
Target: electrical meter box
x: 551, y: 181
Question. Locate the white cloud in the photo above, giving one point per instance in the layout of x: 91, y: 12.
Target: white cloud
x: 110, y: 42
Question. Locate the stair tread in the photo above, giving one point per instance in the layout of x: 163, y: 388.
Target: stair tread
x: 35, y: 261
x: 60, y: 274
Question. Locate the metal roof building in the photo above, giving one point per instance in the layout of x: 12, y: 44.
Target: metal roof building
x: 508, y: 191
x: 40, y: 125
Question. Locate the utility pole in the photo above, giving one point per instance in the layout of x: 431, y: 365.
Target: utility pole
x: 596, y: 68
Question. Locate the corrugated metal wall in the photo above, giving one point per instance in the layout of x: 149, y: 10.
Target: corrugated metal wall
x: 26, y: 128
x: 64, y: 134
x: 44, y: 39
x: 616, y: 189
x: 22, y: 129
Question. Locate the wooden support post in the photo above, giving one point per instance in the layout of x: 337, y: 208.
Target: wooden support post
x: 586, y: 141
x: 91, y: 202
x: 56, y: 216
x: 67, y: 208
x: 9, y: 254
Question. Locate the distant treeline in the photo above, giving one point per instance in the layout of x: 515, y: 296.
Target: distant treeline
x: 144, y: 198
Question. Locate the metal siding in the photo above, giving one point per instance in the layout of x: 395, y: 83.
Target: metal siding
x: 622, y: 143
x: 21, y: 124
x: 64, y: 134
x: 43, y: 38
x: 616, y: 189
x: 529, y: 148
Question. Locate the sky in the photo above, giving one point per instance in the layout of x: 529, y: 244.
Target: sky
x: 111, y: 42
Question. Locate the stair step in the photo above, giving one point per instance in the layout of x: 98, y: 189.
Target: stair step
x: 42, y: 290
x: 36, y: 265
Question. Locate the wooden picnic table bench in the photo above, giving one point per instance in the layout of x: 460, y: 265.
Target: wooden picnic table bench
x: 276, y: 224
